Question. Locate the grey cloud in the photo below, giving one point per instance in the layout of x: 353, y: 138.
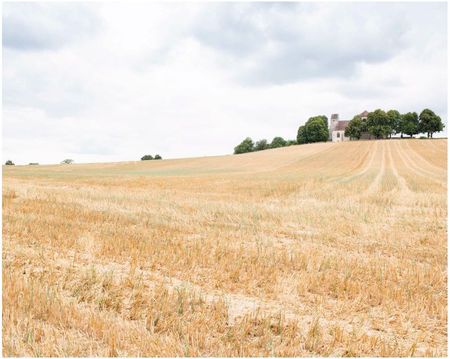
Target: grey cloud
x: 45, y: 26
x: 230, y: 28
x: 284, y: 44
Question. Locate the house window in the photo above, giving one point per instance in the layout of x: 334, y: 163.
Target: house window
x: 338, y: 134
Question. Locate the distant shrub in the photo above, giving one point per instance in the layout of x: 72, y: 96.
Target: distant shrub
x: 278, y: 142
x: 158, y: 157
x: 9, y: 163
x: 261, y: 145
x: 245, y: 146
x: 67, y: 161
x: 33, y: 164
x: 146, y: 158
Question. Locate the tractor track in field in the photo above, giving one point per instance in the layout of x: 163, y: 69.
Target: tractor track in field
x: 402, y: 183
x: 416, y: 170
x: 372, y: 151
x: 376, y: 183
x: 433, y: 170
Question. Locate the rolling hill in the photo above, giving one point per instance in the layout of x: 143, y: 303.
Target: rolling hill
x: 320, y: 249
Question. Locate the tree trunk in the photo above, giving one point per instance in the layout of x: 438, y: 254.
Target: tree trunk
x: 431, y: 134
x: 401, y: 135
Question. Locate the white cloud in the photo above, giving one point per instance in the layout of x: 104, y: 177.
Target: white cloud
x: 194, y: 79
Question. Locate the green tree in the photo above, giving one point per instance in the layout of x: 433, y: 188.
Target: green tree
x: 301, y: 135
x: 146, y: 158
x: 278, y: 142
x: 261, y: 145
x: 394, y: 120
x: 378, y: 124
x: 244, y: 147
x: 9, y: 163
x: 158, y: 157
x: 355, y: 128
x: 323, y: 118
x: 316, y: 129
x: 67, y: 161
x: 409, y: 124
x: 429, y: 123
x: 291, y: 142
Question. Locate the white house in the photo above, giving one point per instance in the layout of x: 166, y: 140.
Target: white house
x: 337, y: 129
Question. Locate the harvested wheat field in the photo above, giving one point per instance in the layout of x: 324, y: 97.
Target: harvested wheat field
x: 312, y: 250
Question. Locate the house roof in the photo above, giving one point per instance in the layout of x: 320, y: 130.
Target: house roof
x: 341, y: 125
x: 364, y: 114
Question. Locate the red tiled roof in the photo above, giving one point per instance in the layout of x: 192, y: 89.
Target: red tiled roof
x: 341, y: 125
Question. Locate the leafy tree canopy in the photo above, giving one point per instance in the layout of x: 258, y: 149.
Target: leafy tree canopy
x: 355, y: 128
x: 244, y: 147
x: 409, y: 123
x: 429, y: 123
x: 278, y: 142
x: 291, y: 142
x: 261, y: 145
x: 9, y: 163
x: 301, y: 135
x: 316, y: 129
x: 378, y: 124
x: 394, y: 120
x: 320, y: 117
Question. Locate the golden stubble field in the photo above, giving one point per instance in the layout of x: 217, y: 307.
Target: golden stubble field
x: 312, y: 250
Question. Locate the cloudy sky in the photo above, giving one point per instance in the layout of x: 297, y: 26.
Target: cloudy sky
x: 112, y: 82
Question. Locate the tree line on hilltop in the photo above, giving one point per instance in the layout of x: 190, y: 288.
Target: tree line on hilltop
x: 379, y: 124
x: 249, y: 146
x: 314, y: 130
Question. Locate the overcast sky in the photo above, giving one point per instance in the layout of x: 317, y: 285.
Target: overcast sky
x: 112, y: 82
